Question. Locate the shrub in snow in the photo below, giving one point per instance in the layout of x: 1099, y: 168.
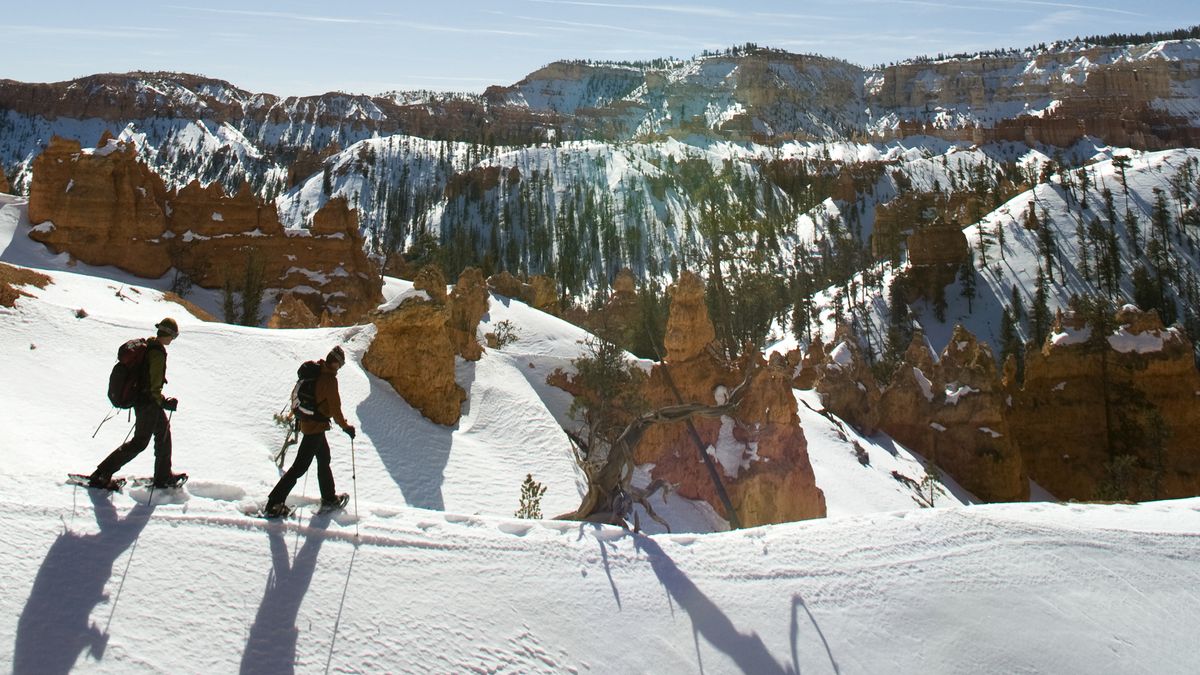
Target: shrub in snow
x: 531, y: 499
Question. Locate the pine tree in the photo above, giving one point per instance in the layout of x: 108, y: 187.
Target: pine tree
x: 1040, y: 315
x: 1046, y: 245
x: 1016, y: 305
x: 1122, y: 162
x: 252, y: 289
x: 1010, y: 342
x: 966, y: 278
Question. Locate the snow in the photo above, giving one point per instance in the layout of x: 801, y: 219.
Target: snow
x: 954, y: 391
x: 1070, y: 336
x: 923, y: 382
x: 841, y: 356
x: 428, y: 571
x: 1143, y: 343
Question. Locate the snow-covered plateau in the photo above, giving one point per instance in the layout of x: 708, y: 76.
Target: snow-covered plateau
x: 428, y: 571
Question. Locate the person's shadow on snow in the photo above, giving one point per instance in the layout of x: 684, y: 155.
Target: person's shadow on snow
x: 271, y: 647
x: 414, y: 450
x: 54, y: 627
x: 745, y: 649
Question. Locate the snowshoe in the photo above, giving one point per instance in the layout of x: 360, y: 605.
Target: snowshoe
x: 85, y: 480
x: 275, y: 512
x: 177, y: 480
x: 336, y: 504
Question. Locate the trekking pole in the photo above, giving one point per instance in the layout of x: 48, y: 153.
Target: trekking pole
x: 106, y: 418
x: 354, y: 485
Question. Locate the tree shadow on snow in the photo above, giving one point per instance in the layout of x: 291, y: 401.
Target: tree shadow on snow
x: 414, y: 450
x: 54, y: 627
x: 745, y: 649
x: 271, y: 646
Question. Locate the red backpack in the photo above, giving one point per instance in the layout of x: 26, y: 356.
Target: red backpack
x: 128, y: 376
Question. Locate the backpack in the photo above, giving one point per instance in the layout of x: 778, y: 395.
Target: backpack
x: 304, y: 394
x: 128, y: 376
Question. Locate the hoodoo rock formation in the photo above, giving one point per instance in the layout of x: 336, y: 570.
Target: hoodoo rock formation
x: 760, y: 450
x: 954, y: 412
x: 540, y: 292
x: 104, y: 207
x: 291, y: 312
x: 468, y: 304
x: 841, y: 375
x: 1111, y: 414
x: 413, y: 351
x: 619, y: 319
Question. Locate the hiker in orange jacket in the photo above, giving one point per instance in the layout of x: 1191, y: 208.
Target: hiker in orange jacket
x: 314, y: 444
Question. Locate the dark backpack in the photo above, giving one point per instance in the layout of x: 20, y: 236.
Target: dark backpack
x: 128, y: 376
x: 304, y: 394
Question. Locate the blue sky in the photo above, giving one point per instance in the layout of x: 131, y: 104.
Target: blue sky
x: 304, y: 47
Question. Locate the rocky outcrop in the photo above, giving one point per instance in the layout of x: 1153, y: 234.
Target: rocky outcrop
x: 122, y: 97
x: 689, y: 331
x: 760, y: 449
x: 843, y: 378
x: 1113, y: 93
x: 104, y: 207
x: 940, y: 244
x: 1092, y: 398
x: 12, y: 278
x: 413, y: 351
x: 540, y: 292
x: 619, y: 320
x: 4, y: 187
x: 417, y: 340
x: 954, y: 412
x: 292, y: 312
x: 468, y: 304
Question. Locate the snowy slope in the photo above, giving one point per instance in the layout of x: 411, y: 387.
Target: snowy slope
x: 434, y: 575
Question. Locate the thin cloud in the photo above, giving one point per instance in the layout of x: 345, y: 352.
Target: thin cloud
x: 1065, y: 5
x: 797, y: 17
x: 312, y: 18
x: 676, y: 9
x: 1005, y: 6
x: 946, y: 5
x: 122, y: 32
x: 579, y: 26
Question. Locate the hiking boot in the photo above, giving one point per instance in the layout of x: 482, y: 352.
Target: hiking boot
x: 174, y: 481
x: 279, y: 510
x: 338, y: 502
x: 100, y: 480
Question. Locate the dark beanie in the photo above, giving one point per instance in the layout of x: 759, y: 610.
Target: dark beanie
x: 335, y: 355
x: 167, y: 327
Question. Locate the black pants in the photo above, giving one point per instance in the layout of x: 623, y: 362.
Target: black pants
x: 151, y: 421
x: 313, y: 445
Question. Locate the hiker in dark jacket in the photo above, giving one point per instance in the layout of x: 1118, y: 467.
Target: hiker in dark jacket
x: 150, y: 412
x: 314, y: 444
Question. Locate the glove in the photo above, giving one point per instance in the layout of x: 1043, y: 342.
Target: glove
x: 349, y: 429
x: 170, y: 404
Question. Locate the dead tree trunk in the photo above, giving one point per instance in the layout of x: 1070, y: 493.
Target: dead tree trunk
x: 610, y: 496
